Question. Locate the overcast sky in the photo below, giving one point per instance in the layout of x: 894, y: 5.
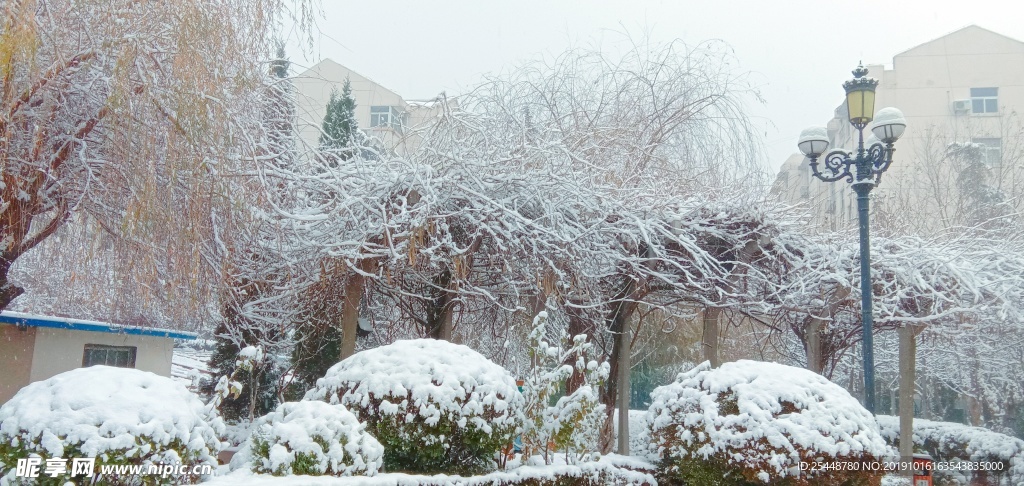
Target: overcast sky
x: 798, y: 53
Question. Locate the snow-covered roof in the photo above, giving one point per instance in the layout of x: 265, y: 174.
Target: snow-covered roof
x: 21, y: 319
x: 424, y: 103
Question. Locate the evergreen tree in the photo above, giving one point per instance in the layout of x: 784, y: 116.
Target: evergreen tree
x: 259, y: 385
x: 317, y: 338
x: 279, y: 112
x: 983, y: 203
x: 340, y: 136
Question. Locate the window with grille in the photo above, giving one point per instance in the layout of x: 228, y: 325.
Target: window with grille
x: 100, y: 354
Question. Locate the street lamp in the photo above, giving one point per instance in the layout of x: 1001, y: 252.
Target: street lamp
x: 863, y: 170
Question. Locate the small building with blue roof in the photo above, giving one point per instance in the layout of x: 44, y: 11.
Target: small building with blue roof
x: 34, y: 348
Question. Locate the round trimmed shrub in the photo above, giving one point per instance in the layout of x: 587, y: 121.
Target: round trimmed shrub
x: 310, y: 438
x: 119, y: 416
x: 754, y: 423
x: 434, y: 405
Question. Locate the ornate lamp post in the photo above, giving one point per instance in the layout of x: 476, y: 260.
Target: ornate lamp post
x: 863, y: 170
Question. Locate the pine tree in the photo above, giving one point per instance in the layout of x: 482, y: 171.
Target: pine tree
x: 279, y: 111
x: 259, y: 385
x: 983, y: 203
x: 317, y: 338
x: 340, y: 136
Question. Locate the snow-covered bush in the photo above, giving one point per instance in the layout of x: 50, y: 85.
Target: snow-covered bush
x: 310, y: 438
x: 434, y: 405
x: 572, y: 425
x: 962, y: 444
x: 754, y: 422
x: 610, y: 469
x: 119, y: 416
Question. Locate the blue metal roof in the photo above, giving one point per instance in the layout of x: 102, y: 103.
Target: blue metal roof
x: 20, y: 319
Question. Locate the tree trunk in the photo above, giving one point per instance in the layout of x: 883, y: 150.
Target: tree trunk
x: 622, y: 309
x: 709, y: 342
x: 350, y: 308
x: 8, y: 290
x: 908, y: 351
x: 445, y: 331
x: 440, y: 314
x: 813, y: 339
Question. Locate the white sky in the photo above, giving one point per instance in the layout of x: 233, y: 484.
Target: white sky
x: 798, y: 52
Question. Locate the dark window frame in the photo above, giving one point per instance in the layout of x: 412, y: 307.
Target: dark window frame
x: 107, y: 355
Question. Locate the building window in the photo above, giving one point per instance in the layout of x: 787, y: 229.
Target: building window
x: 99, y: 354
x: 992, y: 150
x: 386, y: 117
x: 984, y: 100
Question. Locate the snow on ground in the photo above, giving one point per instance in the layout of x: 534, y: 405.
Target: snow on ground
x: 893, y: 480
x: 189, y: 362
x: 638, y: 433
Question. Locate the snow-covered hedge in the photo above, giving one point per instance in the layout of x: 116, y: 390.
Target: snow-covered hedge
x: 755, y: 422
x: 969, y: 446
x: 310, y: 438
x: 610, y: 469
x: 434, y: 405
x: 116, y: 415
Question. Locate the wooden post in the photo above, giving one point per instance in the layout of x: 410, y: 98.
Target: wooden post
x: 623, y: 399
x: 709, y: 342
x: 813, y: 338
x: 908, y: 351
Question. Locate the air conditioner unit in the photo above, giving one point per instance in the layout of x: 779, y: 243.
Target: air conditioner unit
x: 961, y: 106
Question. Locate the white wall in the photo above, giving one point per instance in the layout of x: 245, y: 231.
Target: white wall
x: 60, y: 350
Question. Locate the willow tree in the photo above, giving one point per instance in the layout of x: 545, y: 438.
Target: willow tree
x: 127, y: 117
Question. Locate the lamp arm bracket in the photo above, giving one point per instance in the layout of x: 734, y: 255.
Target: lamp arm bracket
x: 837, y: 166
x: 880, y: 157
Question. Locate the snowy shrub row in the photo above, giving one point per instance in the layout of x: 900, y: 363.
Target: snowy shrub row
x: 750, y: 422
x: 953, y: 442
x: 435, y: 406
x: 119, y: 416
x: 608, y: 470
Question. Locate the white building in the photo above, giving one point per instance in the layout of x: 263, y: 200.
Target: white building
x: 34, y: 348
x: 380, y: 112
x: 966, y: 86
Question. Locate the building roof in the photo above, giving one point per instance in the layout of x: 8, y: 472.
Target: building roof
x: 30, y: 320
x: 317, y: 71
x: 992, y: 35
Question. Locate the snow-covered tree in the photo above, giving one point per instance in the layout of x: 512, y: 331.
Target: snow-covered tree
x: 128, y: 133
x: 572, y: 424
